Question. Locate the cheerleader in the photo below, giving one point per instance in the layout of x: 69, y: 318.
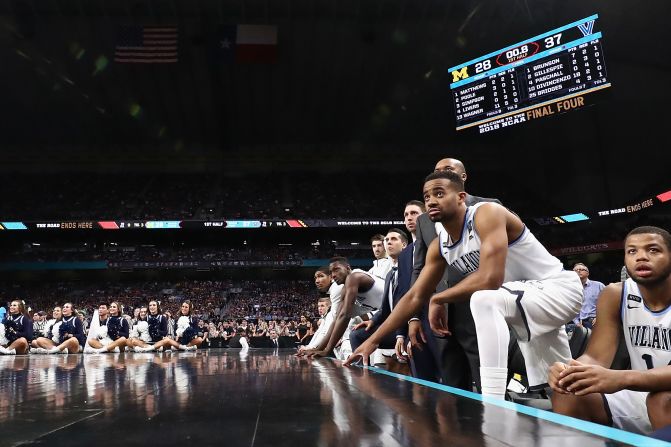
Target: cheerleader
x: 70, y: 334
x: 49, y: 338
x: 17, y: 328
x: 187, y: 330
x: 157, y: 331
x: 97, y: 336
x: 117, y: 330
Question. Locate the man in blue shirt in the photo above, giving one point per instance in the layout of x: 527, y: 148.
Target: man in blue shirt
x: 592, y: 289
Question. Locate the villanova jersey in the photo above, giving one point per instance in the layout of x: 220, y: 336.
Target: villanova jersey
x: 372, y: 298
x: 527, y: 258
x: 647, y: 333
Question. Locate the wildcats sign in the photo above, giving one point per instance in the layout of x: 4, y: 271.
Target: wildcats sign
x: 495, y: 90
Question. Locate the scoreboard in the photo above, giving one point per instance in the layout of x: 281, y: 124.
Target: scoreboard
x: 545, y: 75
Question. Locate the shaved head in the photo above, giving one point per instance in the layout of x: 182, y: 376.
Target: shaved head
x: 452, y: 164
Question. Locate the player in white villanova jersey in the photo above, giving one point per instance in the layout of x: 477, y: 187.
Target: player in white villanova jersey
x: 640, y: 310
x: 361, y: 294
x: 509, y: 277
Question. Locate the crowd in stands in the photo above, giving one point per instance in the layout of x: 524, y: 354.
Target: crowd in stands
x: 213, y: 301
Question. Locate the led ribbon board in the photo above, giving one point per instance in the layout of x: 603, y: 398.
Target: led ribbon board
x: 542, y: 76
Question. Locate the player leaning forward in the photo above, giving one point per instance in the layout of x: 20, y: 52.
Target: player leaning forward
x: 509, y: 277
x: 640, y: 310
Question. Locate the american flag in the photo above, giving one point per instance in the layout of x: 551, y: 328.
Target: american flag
x: 146, y: 45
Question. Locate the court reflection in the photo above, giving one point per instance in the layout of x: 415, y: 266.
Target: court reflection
x: 255, y: 397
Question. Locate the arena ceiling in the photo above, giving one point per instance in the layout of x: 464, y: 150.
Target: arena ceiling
x: 358, y: 84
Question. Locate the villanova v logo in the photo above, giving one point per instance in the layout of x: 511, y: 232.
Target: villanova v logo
x: 586, y: 28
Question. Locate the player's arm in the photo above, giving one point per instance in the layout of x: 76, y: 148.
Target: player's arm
x: 490, y: 223
x: 412, y: 302
x: 353, y: 282
x: 603, y: 342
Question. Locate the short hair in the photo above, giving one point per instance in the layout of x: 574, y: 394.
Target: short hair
x: 104, y: 303
x: 377, y: 237
x: 324, y: 269
x: 417, y: 203
x: 648, y: 229
x: 324, y: 299
x: 339, y: 260
x: 453, y: 177
x: 580, y: 263
x: 401, y: 233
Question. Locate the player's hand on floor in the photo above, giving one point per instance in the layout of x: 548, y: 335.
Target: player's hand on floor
x: 400, y: 348
x: 362, y: 352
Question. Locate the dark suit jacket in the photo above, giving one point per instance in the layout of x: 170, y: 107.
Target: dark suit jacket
x: 405, y: 262
x: 426, y: 233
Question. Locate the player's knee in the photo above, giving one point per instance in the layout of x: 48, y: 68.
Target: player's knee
x: 484, y: 301
x: 659, y: 408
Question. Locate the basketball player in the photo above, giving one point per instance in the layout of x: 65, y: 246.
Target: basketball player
x: 381, y: 264
x: 329, y: 303
x: 362, y: 292
x: 639, y: 308
x: 509, y: 277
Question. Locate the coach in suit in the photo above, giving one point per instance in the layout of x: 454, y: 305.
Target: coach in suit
x: 395, y: 285
x: 456, y: 355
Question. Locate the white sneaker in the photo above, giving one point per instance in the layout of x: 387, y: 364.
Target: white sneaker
x: 10, y: 352
x: 191, y: 348
x: 64, y: 351
x: 38, y: 351
x: 4, y: 350
x: 54, y: 350
x: 183, y: 347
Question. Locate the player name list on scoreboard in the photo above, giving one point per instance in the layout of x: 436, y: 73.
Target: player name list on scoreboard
x: 541, y: 76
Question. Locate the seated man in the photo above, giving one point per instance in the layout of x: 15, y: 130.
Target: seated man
x: 637, y: 400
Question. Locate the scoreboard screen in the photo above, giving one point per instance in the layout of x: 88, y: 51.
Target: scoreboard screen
x: 545, y: 75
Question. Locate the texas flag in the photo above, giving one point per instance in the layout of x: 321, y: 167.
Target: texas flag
x: 247, y: 44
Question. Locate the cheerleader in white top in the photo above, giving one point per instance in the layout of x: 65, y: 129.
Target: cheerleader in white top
x: 117, y: 330
x: 69, y: 337
x: 49, y: 338
x: 187, y: 329
x: 98, y: 336
x: 16, y: 329
x: 638, y: 309
x: 139, y: 333
x: 155, y: 336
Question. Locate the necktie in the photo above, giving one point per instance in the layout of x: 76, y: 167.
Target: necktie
x: 394, y: 279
